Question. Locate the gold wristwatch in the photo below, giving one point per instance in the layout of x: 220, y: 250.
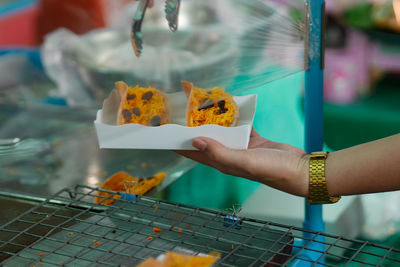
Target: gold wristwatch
x: 318, y: 190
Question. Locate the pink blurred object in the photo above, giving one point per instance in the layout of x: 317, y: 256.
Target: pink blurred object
x: 18, y: 25
x: 347, y: 70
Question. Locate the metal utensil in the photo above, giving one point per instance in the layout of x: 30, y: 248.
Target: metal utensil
x: 172, y: 13
x: 136, y: 34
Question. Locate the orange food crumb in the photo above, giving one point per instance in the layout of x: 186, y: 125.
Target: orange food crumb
x: 157, y: 230
x: 70, y: 233
x: 155, y: 207
x: 149, y: 238
x: 60, y: 262
x: 96, y: 243
x: 41, y: 254
x: 232, y: 247
x: 65, y: 246
x: 40, y: 264
x: 179, y: 230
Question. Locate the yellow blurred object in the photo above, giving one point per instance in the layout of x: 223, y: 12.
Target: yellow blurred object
x: 386, y: 15
x: 396, y: 9
x: 173, y: 259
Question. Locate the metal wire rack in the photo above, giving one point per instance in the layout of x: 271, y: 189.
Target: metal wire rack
x: 69, y: 229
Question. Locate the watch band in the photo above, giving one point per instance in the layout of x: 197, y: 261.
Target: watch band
x: 318, y: 190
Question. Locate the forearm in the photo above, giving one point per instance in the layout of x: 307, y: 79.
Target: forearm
x: 367, y: 168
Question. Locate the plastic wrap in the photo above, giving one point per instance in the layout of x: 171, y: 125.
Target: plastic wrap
x: 231, y: 44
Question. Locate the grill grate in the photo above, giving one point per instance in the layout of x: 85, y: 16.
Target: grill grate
x: 69, y: 229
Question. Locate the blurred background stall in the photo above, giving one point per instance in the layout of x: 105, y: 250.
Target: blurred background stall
x: 60, y: 58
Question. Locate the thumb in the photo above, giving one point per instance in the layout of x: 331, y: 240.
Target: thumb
x: 218, y: 152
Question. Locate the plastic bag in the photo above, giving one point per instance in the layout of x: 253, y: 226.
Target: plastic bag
x: 382, y: 213
x: 232, y: 44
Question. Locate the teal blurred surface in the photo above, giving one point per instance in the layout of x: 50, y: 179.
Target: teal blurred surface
x: 278, y: 117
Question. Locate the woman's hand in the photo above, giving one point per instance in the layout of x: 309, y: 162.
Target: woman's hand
x: 278, y: 165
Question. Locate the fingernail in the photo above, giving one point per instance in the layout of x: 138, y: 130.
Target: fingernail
x: 200, y: 144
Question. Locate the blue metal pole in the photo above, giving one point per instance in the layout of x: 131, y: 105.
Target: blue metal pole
x: 313, y: 109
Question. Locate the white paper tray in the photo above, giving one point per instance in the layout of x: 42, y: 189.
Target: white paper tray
x: 172, y: 136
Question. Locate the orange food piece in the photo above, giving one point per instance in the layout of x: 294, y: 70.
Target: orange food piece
x: 124, y: 182
x: 147, y: 106
x: 41, y: 254
x: 179, y: 229
x: 96, y: 243
x: 173, y: 259
x: 70, y: 233
x: 157, y: 230
x: 150, y: 238
x: 214, y: 106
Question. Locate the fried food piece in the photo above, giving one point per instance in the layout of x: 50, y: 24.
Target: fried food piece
x: 146, y: 106
x: 214, y: 106
x: 124, y: 182
x: 173, y: 259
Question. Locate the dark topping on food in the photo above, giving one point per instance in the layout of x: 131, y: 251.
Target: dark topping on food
x: 127, y: 114
x: 130, y: 97
x: 141, y: 180
x: 155, y: 121
x: 147, y: 96
x: 221, y: 104
x: 209, y: 92
x: 207, y: 103
x: 222, y: 111
x: 136, y: 111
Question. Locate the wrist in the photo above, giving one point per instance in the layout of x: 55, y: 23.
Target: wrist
x: 303, y: 175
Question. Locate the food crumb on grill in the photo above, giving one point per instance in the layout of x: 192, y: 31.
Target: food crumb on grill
x: 149, y: 238
x: 41, y: 254
x: 155, y: 207
x: 157, y: 230
x: 96, y: 243
x: 70, y: 233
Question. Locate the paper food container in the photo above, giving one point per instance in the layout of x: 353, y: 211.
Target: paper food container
x: 173, y: 136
